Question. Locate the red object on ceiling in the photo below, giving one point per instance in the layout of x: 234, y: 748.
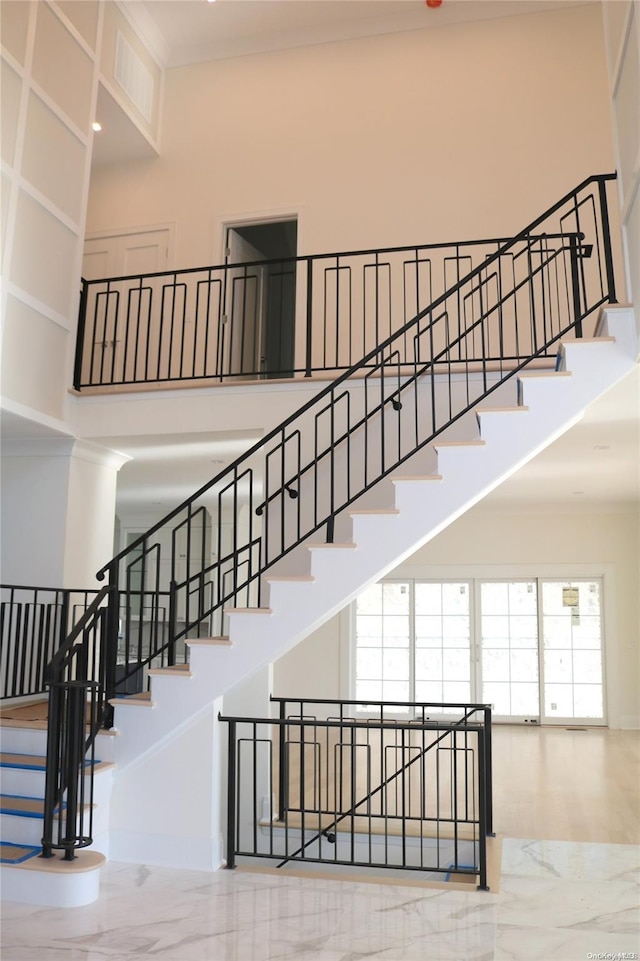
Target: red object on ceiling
x: 434, y: 3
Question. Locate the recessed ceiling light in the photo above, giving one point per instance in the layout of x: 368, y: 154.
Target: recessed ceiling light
x: 96, y: 126
x: 601, y: 447
x: 578, y: 492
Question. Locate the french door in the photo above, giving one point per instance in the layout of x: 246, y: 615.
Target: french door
x: 530, y: 647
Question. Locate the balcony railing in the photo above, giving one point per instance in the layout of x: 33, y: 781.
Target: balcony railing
x: 296, y: 317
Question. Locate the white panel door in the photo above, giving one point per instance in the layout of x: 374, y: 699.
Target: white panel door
x: 122, y: 255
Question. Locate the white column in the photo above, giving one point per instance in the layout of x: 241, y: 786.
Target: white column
x: 58, y: 510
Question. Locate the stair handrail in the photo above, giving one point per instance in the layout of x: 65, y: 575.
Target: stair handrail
x: 75, y: 678
x: 571, y: 243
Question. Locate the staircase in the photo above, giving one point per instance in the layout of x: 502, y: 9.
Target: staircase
x: 334, y: 498
x: 177, y: 723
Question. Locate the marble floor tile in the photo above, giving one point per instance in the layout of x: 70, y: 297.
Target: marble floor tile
x: 557, y: 900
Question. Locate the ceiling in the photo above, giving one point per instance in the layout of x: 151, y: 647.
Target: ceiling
x: 188, y: 31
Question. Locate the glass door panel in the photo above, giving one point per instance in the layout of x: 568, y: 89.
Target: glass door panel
x: 572, y: 651
x: 442, y: 642
x: 509, y: 647
x: 383, y: 638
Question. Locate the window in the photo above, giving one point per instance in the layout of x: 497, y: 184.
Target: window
x: 532, y: 647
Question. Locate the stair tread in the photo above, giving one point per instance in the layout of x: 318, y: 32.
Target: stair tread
x: 589, y: 340
x: 319, y: 547
x: 24, y: 805
x: 459, y: 443
x: 12, y: 853
x: 294, y: 578
x: 208, y: 641
x: 501, y: 410
x: 402, y: 478
x: 248, y: 610
x: 177, y: 670
x: 38, y: 762
x: 83, y: 862
x: 375, y: 512
x: 543, y: 373
x: 134, y: 700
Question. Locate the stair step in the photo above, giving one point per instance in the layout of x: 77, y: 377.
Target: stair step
x: 379, y: 512
x: 294, y: 578
x: 530, y: 374
x: 37, y: 762
x: 26, y: 807
x: 208, y: 642
x: 12, y: 853
x: 500, y: 410
x: 417, y: 478
x: 133, y: 700
x: 321, y: 547
x: 589, y: 340
x: 459, y: 443
x: 176, y: 670
x: 248, y: 610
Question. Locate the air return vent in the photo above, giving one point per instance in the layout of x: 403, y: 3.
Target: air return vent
x: 134, y: 78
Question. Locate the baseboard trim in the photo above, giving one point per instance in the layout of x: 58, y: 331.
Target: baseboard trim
x: 161, y: 850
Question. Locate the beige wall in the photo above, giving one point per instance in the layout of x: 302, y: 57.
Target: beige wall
x: 462, y: 131
x: 481, y: 544
x: 622, y: 31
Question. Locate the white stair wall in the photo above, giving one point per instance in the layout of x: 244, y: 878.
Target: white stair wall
x: 53, y: 882
x: 183, y: 711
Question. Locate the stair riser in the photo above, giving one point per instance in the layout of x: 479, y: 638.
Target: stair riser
x: 27, y: 783
x: 15, y: 740
x: 28, y: 830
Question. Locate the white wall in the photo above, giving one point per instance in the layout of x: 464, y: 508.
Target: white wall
x: 481, y: 544
x: 49, y: 74
x: 457, y: 132
x: 622, y: 32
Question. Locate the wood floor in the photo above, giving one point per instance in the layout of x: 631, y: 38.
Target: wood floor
x: 555, y: 784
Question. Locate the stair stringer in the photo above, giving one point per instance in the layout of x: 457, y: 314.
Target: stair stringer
x: 333, y: 575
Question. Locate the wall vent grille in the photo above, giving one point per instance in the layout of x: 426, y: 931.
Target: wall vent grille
x: 134, y: 78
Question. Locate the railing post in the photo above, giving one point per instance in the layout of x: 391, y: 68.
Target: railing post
x: 606, y: 239
x: 82, y: 318
x: 575, y: 284
x: 482, y: 810
x: 309, y: 345
x: 53, y: 753
x: 173, y: 616
x: 489, y: 770
x: 231, y: 797
x: 283, y: 800
x: 71, y: 771
x: 110, y: 644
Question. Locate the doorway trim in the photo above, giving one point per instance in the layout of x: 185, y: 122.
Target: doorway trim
x: 228, y: 221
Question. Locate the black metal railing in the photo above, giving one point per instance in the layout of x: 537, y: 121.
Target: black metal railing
x: 76, y: 679
x: 211, y: 552
x: 343, y: 709
x: 379, y: 791
x: 296, y: 317
x: 34, y: 623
